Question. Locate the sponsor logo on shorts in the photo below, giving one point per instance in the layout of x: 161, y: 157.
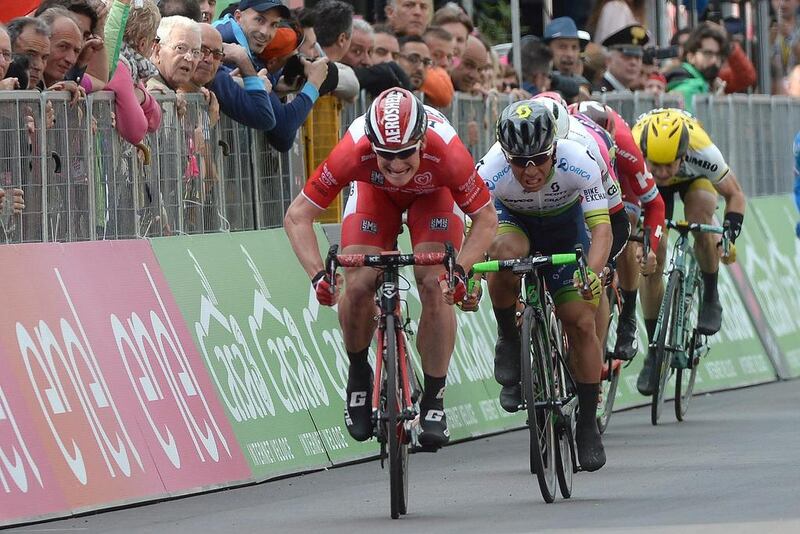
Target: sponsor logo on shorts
x: 565, y: 166
x: 439, y: 223
x: 369, y: 226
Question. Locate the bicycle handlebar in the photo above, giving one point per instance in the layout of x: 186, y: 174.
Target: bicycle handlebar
x: 685, y: 227
x: 524, y: 265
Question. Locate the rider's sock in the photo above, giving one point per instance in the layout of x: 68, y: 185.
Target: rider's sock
x: 650, y: 326
x: 358, y: 360
x: 433, y: 396
x: 587, y: 401
x: 628, y: 303
x: 710, y: 287
x: 507, y: 322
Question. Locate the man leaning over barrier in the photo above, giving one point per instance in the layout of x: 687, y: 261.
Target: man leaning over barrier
x: 252, y: 27
x: 66, y: 42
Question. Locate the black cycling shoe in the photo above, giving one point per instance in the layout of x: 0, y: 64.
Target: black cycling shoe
x: 511, y: 398
x: 591, y: 454
x: 709, y: 320
x: 645, y: 383
x: 506, y: 361
x: 434, y: 427
x: 627, y: 343
x: 358, y: 410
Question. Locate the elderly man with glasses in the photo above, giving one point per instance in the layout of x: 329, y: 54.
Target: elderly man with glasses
x: 415, y: 59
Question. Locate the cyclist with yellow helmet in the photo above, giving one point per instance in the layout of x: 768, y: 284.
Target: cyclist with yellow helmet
x: 684, y: 160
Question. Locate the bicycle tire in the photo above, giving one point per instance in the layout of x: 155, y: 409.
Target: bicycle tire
x: 565, y: 431
x: 609, y: 385
x: 537, y: 387
x: 684, y: 385
x: 398, y: 448
x: 666, y: 337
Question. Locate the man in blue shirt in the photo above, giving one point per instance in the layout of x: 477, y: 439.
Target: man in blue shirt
x: 252, y: 26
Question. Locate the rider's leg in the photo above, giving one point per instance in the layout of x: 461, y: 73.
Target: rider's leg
x: 700, y: 203
x: 432, y: 222
x: 628, y: 273
x: 577, y: 317
x: 504, y: 292
x: 357, y: 306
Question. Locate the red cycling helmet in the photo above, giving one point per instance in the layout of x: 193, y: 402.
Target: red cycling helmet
x: 600, y: 113
x: 396, y: 120
x: 552, y: 95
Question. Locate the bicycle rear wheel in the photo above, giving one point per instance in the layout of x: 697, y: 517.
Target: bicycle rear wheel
x: 685, y: 378
x: 537, y: 390
x: 665, y: 343
x: 611, y: 368
x: 395, y: 430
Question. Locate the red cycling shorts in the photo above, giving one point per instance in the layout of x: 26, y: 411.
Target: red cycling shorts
x: 373, y: 217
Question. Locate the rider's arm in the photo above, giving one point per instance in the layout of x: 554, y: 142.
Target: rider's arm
x: 602, y: 238
x: 731, y: 190
x: 299, y: 226
x: 481, y: 234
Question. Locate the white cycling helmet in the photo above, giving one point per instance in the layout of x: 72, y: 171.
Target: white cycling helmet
x: 559, y: 112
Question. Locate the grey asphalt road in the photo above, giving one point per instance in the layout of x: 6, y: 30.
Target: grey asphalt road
x: 733, y: 466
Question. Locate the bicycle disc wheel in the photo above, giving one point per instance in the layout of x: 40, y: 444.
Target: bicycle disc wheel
x: 665, y: 343
x: 565, y: 429
x: 398, y: 448
x: 685, y: 378
x: 537, y: 389
x: 608, y: 385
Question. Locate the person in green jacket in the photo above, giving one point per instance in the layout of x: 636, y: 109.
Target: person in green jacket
x: 703, y: 55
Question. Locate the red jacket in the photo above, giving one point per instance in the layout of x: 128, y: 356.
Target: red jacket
x: 739, y: 73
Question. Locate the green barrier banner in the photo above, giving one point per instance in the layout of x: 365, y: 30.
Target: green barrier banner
x: 274, y: 355
x: 736, y: 356
x: 772, y: 264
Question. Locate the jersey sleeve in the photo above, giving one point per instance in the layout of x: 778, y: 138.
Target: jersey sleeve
x: 704, y: 158
x: 468, y: 189
x: 594, y: 202
x: 333, y: 174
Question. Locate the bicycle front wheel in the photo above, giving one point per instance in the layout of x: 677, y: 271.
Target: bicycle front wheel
x: 395, y: 430
x: 537, y: 392
x: 668, y: 336
x: 685, y: 378
x: 612, y: 368
x: 565, y: 428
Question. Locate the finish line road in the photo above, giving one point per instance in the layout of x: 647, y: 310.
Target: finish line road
x: 732, y: 466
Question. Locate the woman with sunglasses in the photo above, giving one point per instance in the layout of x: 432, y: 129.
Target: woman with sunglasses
x: 399, y: 157
x: 547, y: 191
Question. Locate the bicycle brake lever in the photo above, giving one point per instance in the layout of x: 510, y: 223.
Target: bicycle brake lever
x: 330, y: 266
x: 450, y: 263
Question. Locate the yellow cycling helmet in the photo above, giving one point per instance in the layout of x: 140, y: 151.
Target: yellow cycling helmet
x: 664, y: 138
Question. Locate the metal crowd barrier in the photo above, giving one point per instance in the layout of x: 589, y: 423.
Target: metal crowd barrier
x: 82, y: 181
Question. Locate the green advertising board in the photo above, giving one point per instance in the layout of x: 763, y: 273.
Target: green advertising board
x: 275, y: 356
x: 772, y: 264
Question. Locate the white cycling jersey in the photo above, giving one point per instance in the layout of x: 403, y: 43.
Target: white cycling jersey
x: 575, y: 177
x: 579, y: 133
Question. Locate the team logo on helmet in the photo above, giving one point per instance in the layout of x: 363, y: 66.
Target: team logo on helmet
x: 524, y: 111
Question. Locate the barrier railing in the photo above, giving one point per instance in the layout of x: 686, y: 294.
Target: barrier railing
x: 82, y: 181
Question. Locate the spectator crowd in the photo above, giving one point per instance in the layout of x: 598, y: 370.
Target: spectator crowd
x: 265, y: 66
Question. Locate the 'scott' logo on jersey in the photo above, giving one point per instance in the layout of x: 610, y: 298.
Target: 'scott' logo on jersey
x: 369, y: 226
x: 426, y: 178
x: 439, y: 223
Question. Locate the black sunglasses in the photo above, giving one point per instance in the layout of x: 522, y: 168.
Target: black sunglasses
x: 402, y: 154
x: 536, y: 160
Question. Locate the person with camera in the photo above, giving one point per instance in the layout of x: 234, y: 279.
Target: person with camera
x: 703, y: 55
x: 624, y: 63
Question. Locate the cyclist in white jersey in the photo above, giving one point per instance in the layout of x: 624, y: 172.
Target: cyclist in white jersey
x: 546, y: 194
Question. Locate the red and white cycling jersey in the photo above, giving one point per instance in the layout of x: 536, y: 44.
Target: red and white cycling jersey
x: 445, y: 163
x: 636, y: 181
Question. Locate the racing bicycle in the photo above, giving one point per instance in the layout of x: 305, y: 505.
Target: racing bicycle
x: 396, y: 391
x: 548, y: 389
x: 677, y: 344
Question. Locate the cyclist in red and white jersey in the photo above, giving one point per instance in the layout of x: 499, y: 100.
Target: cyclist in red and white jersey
x: 639, y: 193
x: 399, y: 157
